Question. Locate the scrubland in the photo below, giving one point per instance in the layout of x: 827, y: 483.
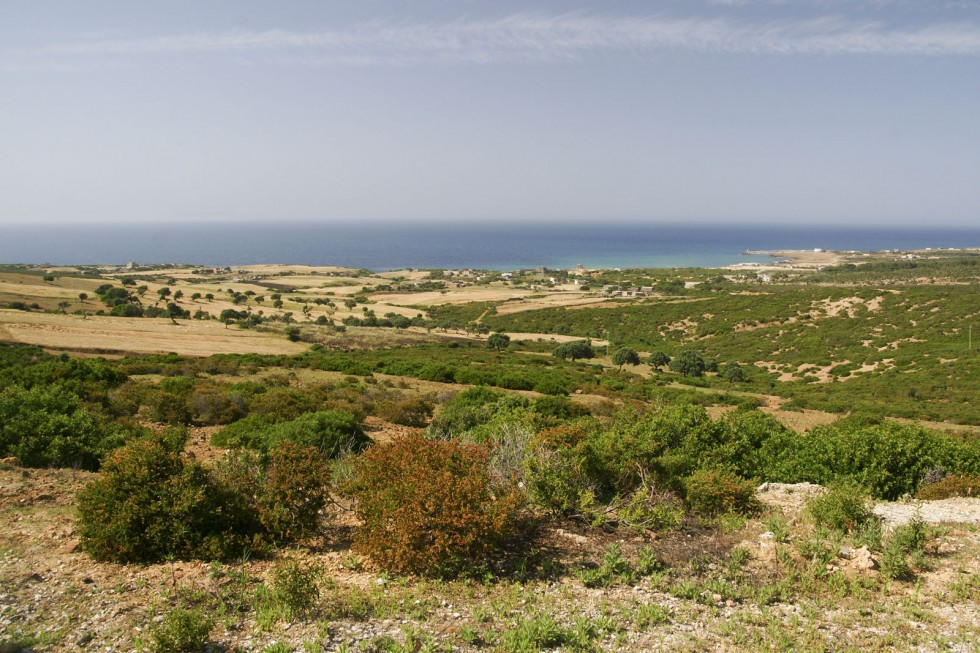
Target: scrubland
x: 328, y: 459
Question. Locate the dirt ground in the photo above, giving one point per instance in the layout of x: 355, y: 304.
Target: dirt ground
x: 55, y: 597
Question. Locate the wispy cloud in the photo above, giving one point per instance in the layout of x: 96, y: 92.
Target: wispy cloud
x: 528, y: 38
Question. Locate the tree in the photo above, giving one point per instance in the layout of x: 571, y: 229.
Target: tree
x: 625, y: 356
x: 498, y: 341
x: 575, y: 350
x: 63, y: 305
x: 195, y: 296
x: 82, y: 296
x: 164, y: 292
x: 209, y: 297
x: 688, y: 363
x: 174, y: 311
x: 658, y: 359
x: 733, y: 373
x: 178, y: 294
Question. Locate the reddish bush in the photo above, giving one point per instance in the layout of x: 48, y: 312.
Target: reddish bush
x: 951, y: 486
x: 429, y: 506
x: 294, y: 491
x: 411, y: 411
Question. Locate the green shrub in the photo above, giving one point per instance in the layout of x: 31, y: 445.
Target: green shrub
x: 148, y: 504
x: 951, y: 486
x: 843, y: 507
x: 470, y: 409
x: 714, y: 491
x: 45, y: 427
x: 429, y: 506
x: 281, y: 404
x: 292, y: 591
x: 215, y: 406
x: 242, y: 433
x: 554, y: 481
x: 182, y: 631
x: 559, y: 408
x: 889, y: 459
x: 905, y: 548
x: 328, y: 431
x: 646, y: 509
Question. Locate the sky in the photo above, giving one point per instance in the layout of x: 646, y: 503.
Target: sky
x: 857, y: 112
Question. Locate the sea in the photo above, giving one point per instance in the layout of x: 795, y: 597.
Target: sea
x: 487, y: 246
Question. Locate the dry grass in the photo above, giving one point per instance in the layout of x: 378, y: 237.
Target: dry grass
x: 142, y: 335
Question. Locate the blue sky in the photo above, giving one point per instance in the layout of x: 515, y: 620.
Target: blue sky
x: 789, y: 111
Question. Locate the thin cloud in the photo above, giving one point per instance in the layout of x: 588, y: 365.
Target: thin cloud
x: 528, y: 38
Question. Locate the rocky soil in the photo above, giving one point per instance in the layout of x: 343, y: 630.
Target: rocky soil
x: 54, y: 598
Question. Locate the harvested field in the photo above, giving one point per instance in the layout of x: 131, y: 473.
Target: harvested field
x: 110, y: 334
x: 453, y: 296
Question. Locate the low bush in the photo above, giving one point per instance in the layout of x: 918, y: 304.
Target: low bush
x: 555, y: 482
x: 889, y: 459
x: 430, y: 506
x: 844, y: 507
x: 951, y: 486
x: 294, y: 489
x: 714, y: 491
x: 409, y: 411
x: 45, y: 427
x: 471, y: 408
x: 905, y: 549
x: 329, y: 431
x: 292, y: 592
x: 182, y: 631
x: 149, y: 504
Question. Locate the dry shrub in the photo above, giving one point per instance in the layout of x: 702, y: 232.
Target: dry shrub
x: 430, y: 507
x: 410, y: 411
x: 295, y: 489
x: 951, y: 486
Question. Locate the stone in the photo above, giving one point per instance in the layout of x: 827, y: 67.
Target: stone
x: 862, y: 559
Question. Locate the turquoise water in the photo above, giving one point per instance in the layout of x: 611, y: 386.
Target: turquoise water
x: 497, y: 247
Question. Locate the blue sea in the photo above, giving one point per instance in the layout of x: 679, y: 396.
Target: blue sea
x: 503, y: 246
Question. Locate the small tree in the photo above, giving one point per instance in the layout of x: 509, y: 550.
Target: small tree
x: 164, y: 292
x: 733, y: 373
x: 625, y: 356
x: 63, y: 305
x: 498, y: 341
x: 658, y: 359
x: 574, y: 350
x: 82, y: 296
x: 688, y: 363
